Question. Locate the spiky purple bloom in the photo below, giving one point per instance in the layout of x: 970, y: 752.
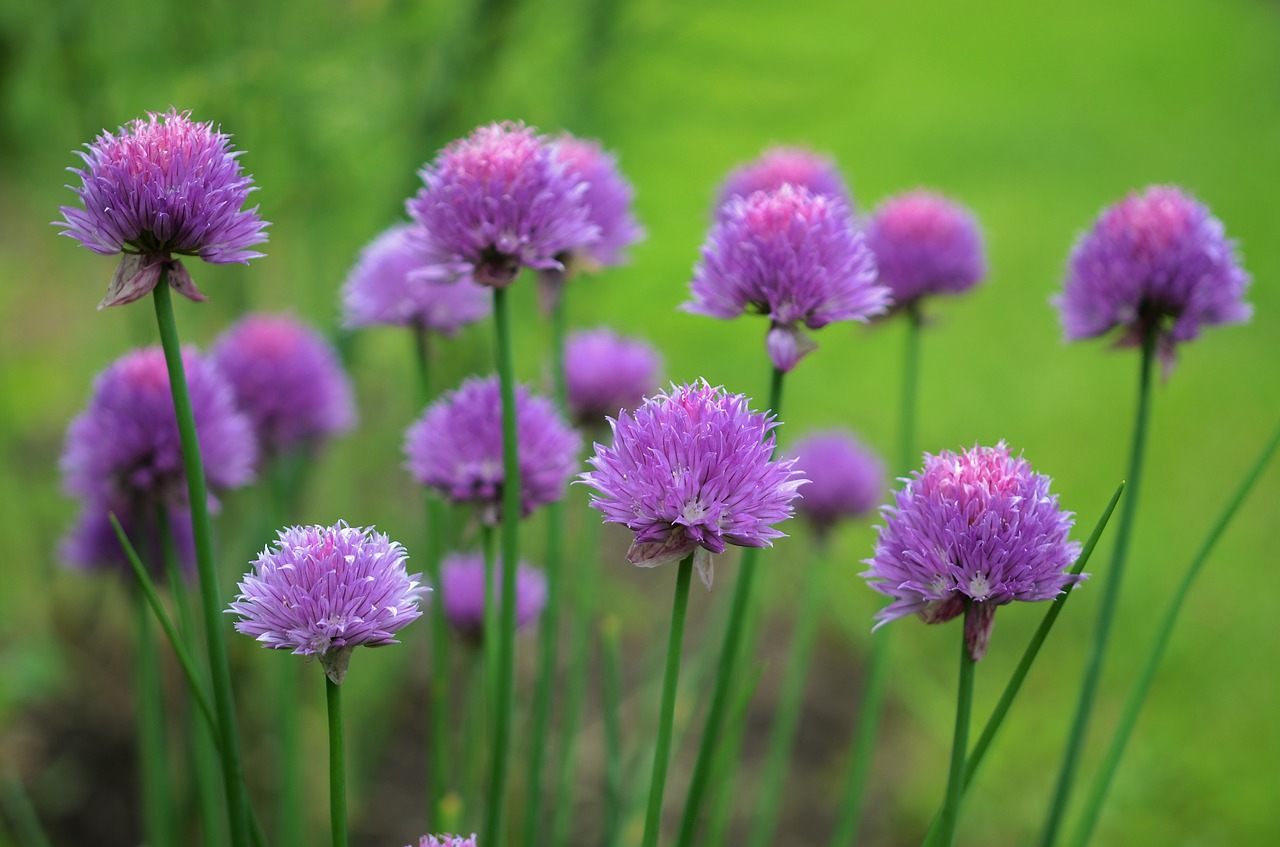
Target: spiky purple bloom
x: 462, y: 592
x: 605, y: 373
x: 125, y: 448
x: 496, y: 201
x: 924, y: 245
x: 976, y: 528
x: 456, y: 448
x: 690, y: 472
x: 794, y: 256
x: 779, y: 166
x: 846, y: 478
x: 445, y: 841
x: 1156, y: 258
x: 160, y: 186
x: 288, y: 380
x: 325, y: 590
x: 608, y: 199
x: 384, y: 288
x: 92, y: 543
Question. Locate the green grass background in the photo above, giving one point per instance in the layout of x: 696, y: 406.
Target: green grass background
x: 1035, y: 115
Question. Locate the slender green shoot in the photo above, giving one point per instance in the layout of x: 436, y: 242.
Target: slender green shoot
x: 611, y: 659
x: 337, y: 765
x: 157, y: 800
x: 960, y: 744
x: 22, y: 815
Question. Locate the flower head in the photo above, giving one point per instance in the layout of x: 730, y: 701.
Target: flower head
x: 690, y: 472
x: 846, y: 479
x: 608, y: 200
x: 781, y: 166
x: 496, y: 201
x: 605, y: 373
x: 384, y: 288
x: 445, y: 841
x: 1154, y: 259
x: 978, y: 529
x: 288, y: 380
x: 323, y: 591
x: 456, y: 448
x: 92, y: 543
x: 159, y: 186
x: 924, y: 245
x: 792, y: 255
x: 462, y: 580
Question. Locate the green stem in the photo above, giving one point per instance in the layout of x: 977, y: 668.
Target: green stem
x: 337, y: 765
x: 726, y: 761
x: 1142, y: 684
x: 1110, y: 596
x: 21, y: 813
x: 955, y: 776
x: 910, y: 389
x: 488, y: 641
x: 510, y: 557
x: 611, y: 659
x: 666, y: 717
x: 215, y: 640
x: 730, y: 650
x: 157, y: 802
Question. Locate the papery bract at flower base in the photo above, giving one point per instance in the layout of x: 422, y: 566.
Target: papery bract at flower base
x: 605, y: 373
x: 160, y: 186
x: 462, y: 590
x: 846, y: 479
x: 690, y: 472
x: 779, y: 166
x: 925, y: 245
x: 977, y: 528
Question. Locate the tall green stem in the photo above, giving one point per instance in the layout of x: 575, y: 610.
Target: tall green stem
x: 732, y: 647
x: 1110, y: 595
x: 611, y: 662
x: 666, y: 717
x: 157, y: 801
x: 337, y: 765
x: 214, y: 620
x: 510, y: 556
x: 964, y: 705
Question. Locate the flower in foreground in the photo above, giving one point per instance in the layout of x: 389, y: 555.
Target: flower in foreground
x: 445, y: 841
x: 846, y: 478
x: 462, y: 580
x: 925, y: 245
x: 456, y: 448
x: 288, y: 380
x: 794, y: 256
x: 323, y: 591
x: 159, y: 186
x: 1157, y: 259
x: 779, y: 166
x: 385, y: 289
x: 977, y: 528
x: 605, y: 372
x: 690, y: 472
x: 496, y: 201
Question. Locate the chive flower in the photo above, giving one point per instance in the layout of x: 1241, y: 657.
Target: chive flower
x: 793, y: 256
x: 161, y: 186
x: 925, y: 245
x: 977, y: 528
x: 690, y: 471
x: 323, y: 591
x: 92, y: 545
x: 462, y: 591
x: 608, y: 199
x: 779, y: 166
x: 605, y: 373
x: 846, y: 478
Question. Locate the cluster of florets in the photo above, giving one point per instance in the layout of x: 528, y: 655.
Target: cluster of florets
x: 846, y: 478
x: 925, y: 245
x: 779, y: 166
x: 462, y: 591
x: 605, y: 373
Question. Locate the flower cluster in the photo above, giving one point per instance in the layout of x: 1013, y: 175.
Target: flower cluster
x: 605, y: 372
x: 846, y: 479
x: 608, y: 200
x: 462, y: 591
x: 781, y: 166
x: 925, y: 245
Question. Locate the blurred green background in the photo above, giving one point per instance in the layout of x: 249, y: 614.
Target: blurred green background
x: 1035, y: 115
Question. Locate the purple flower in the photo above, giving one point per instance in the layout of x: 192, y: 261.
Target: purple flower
x: 288, y: 380
x: 384, y: 288
x: 323, y: 591
x: 977, y: 529
x: 781, y: 166
x: 124, y: 448
x: 92, y: 544
x: 496, y: 201
x: 445, y: 841
x: 794, y: 256
x: 924, y: 245
x: 608, y: 199
x: 846, y: 479
x: 690, y: 472
x: 161, y: 186
x: 462, y: 593
x: 605, y: 373
x: 1154, y: 259
x: 456, y: 448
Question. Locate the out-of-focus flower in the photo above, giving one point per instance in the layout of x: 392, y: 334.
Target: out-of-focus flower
x: 608, y: 200
x: 384, y: 288
x: 496, y: 201
x: 1156, y: 259
x: 160, y: 186
x: 846, y: 478
x: 690, y: 472
x: 323, y: 591
x: 605, y: 373
x: 976, y: 529
x: 794, y: 256
x: 288, y: 380
x: 925, y: 245
x: 92, y: 543
x: 462, y: 592
x: 456, y: 448
x: 779, y: 166
x: 445, y: 841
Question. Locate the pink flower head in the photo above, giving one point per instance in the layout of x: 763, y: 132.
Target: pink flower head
x: 924, y: 245
x: 157, y: 187
x: 605, y: 372
x: 608, y: 201
x: 462, y: 592
x: 779, y: 166
x: 846, y: 478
